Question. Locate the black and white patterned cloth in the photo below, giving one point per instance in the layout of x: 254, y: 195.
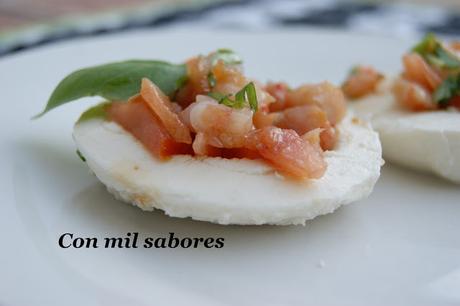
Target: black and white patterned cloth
x: 379, y: 18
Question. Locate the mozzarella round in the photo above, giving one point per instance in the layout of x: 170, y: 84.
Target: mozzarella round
x: 427, y: 141
x: 229, y: 191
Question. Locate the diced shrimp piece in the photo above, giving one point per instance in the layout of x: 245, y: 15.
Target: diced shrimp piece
x: 197, y: 83
x: 139, y: 120
x: 277, y: 91
x: 313, y: 137
x: 302, y: 118
x: 413, y: 96
x: 229, y: 79
x: 287, y: 152
x: 160, y: 104
x: 455, y: 45
x: 329, y: 136
x: 263, y: 118
x: 327, y: 96
x: 201, y: 147
x: 264, y: 98
x: 324, y: 138
x: 225, y: 127
x: 417, y: 70
x: 361, y: 82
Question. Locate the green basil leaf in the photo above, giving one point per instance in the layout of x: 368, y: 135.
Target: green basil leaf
x: 427, y: 45
x: 436, y: 54
x: 448, y: 89
x: 116, y: 81
x: 448, y: 59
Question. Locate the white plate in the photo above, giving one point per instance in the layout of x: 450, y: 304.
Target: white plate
x: 401, y: 246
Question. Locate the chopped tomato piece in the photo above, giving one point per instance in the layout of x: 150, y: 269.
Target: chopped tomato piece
x: 302, y: 118
x: 361, y: 82
x: 228, y: 79
x: 325, y: 95
x: 455, y: 102
x: 163, y: 108
x: 417, y: 70
x: 328, y: 137
x: 263, y: 118
x: 197, y: 81
x: 141, y: 122
x: 412, y: 96
x: 201, y: 146
x: 240, y: 153
x: 224, y: 127
x: 278, y: 91
x: 288, y: 152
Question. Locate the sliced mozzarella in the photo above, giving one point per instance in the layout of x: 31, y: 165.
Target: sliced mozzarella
x: 229, y: 191
x: 427, y: 141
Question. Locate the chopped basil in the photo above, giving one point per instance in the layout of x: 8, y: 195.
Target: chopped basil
x: 247, y: 96
x: 212, y: 80
x: 427, y: 45
x: 447, y: 58
x: 436, y: 54
x: 81, y: 156
x: 353, y: 70
x: 448, y: 89
x: 251, y: 94
x: 223, y: 99
x: 227, y: 56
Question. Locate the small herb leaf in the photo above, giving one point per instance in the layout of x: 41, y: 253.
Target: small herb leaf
x: 116, y: 81
x: 81, y: 156
x: 227, y: 56
x: 447, y: 58
x: 447, y: 90
x: 436, y: 54
x: 247, y: 96
x: 212, y: 80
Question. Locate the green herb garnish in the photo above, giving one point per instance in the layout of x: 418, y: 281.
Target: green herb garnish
x: 116, y: 81
x: 97, y: 111
x: 227, y: 56
x: 247, y: 96
x: 436, y: 54
x: 448, y: 89
x: 81, y: 156
x: 212, y: 80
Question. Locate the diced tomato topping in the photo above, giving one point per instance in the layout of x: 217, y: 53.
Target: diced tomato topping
x: 140, y: 121
x: 288, y: 152
x: 361, y: 82
x: 325, y: 95
x: 412, y: 96
x: 455, y: 102
x: 417, y: 70
x: 160, y: 104
x: 278, y: 91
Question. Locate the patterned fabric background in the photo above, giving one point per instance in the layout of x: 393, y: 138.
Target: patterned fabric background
x: 391, y: 19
